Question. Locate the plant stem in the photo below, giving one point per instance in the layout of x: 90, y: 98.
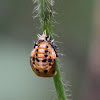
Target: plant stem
x: 46, y: 12
x: 59, y: 84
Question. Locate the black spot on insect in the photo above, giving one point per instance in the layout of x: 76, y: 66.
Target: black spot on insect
x: 37, y: 59
x: 33, y: 62
x: 46, y: 51
x: 45, y: 55
x: 46, y: 37
x: 49, y: 64
x: 56, y: 54
x: 54, y: 59
x: 50, y: 60
x: 53, y: 71
x: 44, y: 60
x: 37, y: 70
x: 33, y: 58
x: 37, y: 50
x: 35, y: 44
x: 36, y: 54
x: 46, y: 46
x: 45, y: 71
x: 41, y: 41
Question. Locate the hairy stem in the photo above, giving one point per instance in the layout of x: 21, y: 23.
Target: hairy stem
x: 59, y: 84
x: 46, y: 13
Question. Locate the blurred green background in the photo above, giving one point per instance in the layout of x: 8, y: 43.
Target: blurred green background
x: 18, y: 32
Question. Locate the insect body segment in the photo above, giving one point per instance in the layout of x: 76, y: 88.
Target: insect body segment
x: 43, y: 57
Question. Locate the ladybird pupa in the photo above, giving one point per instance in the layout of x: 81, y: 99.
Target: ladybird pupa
x: 43, y: 56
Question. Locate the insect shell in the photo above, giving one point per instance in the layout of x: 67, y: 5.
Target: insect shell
x: 43, y: 56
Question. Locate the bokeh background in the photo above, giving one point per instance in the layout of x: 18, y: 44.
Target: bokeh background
x: 77, y: 36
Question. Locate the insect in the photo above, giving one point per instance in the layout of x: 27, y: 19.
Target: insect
x: 43, y: 56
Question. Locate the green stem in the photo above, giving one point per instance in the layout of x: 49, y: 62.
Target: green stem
x: 45, y: 12
x: 59, y: 84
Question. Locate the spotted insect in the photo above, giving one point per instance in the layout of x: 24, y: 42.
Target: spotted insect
x: 43, y: 56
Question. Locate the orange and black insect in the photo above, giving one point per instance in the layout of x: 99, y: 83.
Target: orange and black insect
x: 43, y: 56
